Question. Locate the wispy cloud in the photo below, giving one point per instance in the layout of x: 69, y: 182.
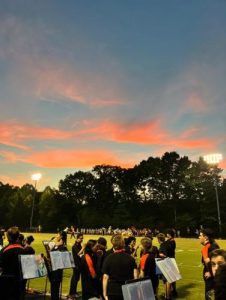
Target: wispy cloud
x: 36, y: 73
x: 146, y: 133
x: 196, y: 103
x: 16, y: 180
x: 14, y: 134
x: 62, y: 158
x: 142, y: 133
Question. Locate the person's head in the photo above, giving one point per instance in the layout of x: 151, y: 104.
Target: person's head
x: 217, y: 258
x: 206, y: 235
x: 149, y: 235
x: 146, y: 244
x: 29, y: 240
x: 90, y: 247
x: 161, y: 237
x: 118, y: 242
x: 21, y: 239
x: 220, y: 283
x: 62, y: 237
x: 13, y: 234
x: 79, y: 238
x: 102, y: 242
x: 170, y: 234
x: 130, y: 241
x: 113, y: 236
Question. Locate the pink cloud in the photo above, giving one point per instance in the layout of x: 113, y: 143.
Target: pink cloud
x: 222, y: 164
x: 145, y: 133
x: 196, y: 103
x: 13, y: 133
x: 62, y: 82
x: 67, y: 158
x: 34, y: 74
x: 190, y: 132
x: 21, y: 179
x: 15, y: 180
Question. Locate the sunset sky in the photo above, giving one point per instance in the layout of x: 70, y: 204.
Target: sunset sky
x: 87, y: 82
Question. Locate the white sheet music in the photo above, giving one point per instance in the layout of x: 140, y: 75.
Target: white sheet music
x: 169, y: 269
x: 61, y: 260
x: 138, y: 290
x: 32, y: 266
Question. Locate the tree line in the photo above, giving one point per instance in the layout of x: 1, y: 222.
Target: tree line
x: 167, y: 191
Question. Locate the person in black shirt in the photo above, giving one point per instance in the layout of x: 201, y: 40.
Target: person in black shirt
x: 101, y: 253
x: 171, y: 249
x: 77, y: 251
x: 117, y: 269
x: 56, y: 277
x: 164, y: 251
x: 209, y: 244
x: 90, y: 286
x: 28, y: 249
x: 220, y: 283
x: 147, y: 262
x: 11, y: 283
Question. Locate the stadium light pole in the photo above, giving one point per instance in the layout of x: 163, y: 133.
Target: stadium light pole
x: 35, y: 177
x: 213, y: 160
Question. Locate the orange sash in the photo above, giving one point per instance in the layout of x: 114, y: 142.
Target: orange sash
x: 143, y: 261
x: 90, y: 265
x: 205, y: 250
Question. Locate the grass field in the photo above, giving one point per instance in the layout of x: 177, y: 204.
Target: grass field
x: 188, y: 258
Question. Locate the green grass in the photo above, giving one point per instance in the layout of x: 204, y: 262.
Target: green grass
x: 188, y: 258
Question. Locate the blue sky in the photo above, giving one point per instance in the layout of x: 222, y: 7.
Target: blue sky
x: 92, y: 82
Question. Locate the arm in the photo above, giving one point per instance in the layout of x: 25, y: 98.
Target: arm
x: 135, y: 273
x: 81, y: 252
x: 105, y: 284
x: 141, y: 275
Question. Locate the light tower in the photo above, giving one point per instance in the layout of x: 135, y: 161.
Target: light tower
x: 213, y: 160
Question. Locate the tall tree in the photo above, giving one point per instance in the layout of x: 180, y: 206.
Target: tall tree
x: 173, y: 182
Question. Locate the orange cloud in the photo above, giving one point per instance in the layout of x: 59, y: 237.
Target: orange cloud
x: 21, y: 179
x: 51, y: 77
x: 140, y: 133
x: 222, y: 164
x: 61, y: 82
x: 143, y: 133
x: 16, y: 180
x: 12, y: 133
x: 68, y: 158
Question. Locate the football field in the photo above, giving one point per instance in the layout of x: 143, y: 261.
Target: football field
x: 188, y: 257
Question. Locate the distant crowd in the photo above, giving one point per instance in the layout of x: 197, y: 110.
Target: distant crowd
x: 185, y: 232
x: 103, y: 271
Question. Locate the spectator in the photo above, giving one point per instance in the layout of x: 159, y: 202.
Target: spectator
x: 171, y: 250
x: 220, y: 283
x: 77, y: 251
x: 147, y: 263
x: 130, y: 243
x: 11, y: 284
x: 101, y: 253
x: 217, y: 258
x: 28, y: 249
x: 117, y: 269
x: 90, y: 287
x: 209, y: 244
x: 55, y: 277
